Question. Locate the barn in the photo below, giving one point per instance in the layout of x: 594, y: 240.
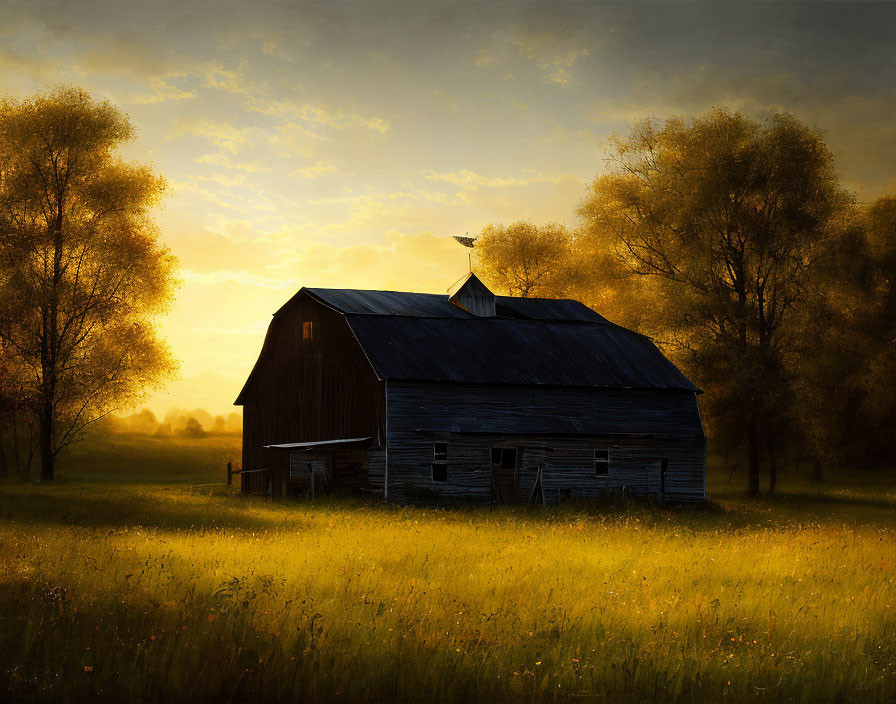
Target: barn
x: 470, y: 396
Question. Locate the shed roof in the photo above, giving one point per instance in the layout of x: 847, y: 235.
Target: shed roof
x: 509, y: 351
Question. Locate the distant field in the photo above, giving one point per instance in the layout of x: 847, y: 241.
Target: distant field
x: 132, y: 580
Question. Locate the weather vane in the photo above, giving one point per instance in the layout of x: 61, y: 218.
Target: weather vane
x: 467, y: 241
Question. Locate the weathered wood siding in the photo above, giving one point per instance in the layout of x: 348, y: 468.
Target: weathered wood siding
x: 557, y: 427
x: 376, y: 469
x: 305, y: 390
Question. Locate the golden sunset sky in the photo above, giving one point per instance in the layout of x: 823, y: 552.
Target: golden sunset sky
x: 341, y: 144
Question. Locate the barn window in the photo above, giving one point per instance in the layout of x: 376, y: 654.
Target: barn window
x: 307, y: 330
x: 601, y: 462
x: 440, y: 461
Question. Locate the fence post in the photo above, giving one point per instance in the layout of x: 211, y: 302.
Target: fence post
x: 229, y: 473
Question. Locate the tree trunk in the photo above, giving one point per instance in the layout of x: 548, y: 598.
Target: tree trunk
x: 772, y: 466
x: 753, y: 459
x: 46, y: 442
x: 49, y: 355
x: 4, y: 467
x: 816, y: 471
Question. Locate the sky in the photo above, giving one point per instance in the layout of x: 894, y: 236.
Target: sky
x: 342, y: 144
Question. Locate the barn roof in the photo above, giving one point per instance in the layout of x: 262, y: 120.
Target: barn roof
x: 513, y: 351
x: 530, y: 341
x: 433, y: 305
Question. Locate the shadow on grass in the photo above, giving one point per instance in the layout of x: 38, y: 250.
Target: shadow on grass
x: 808, y: 498
x: 728, y: 513
x: 120, y: 508
x: 164, y: 507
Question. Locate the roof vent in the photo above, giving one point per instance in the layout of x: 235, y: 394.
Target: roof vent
x: 474, y: 296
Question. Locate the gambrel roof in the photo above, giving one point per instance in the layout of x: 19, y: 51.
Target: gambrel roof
x: 530, y: 341
x: 434, y: 305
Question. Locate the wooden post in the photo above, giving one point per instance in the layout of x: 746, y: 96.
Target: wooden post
x: 664, y: 465
x: 229, y: 473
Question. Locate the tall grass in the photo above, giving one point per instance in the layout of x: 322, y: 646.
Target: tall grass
x: 137, y: 592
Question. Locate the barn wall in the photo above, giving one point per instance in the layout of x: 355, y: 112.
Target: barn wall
x: 376, y: 469
x: 307, y: 390
x: 559, y: 427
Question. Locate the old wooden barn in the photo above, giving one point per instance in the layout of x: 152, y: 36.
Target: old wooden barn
x: 469, y: 396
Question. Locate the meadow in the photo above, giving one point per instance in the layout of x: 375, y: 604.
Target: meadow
x: 139, y: 576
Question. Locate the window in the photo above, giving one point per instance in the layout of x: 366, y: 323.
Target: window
x: 307, y: 330
x: 504, y: 457
x: 601, y: 462
x: 440, y: 461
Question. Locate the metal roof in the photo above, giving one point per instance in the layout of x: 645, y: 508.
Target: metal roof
x: 508, y: 351
x: 540, y: 341
x: 434, y: 305
x: 316, y: 443
x: 420, y: 305
x: 548, y: 309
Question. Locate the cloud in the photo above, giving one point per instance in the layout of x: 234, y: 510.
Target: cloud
x: 218, y: 198
x: 223, y: 135
x: 230, y: 276
x: 484, y: 57
x: 162, y: 90
x: 225, y: 162
x: 319, y: 114
x: 470, y: 179
x: 315, y: 170
x: 225, y: 180
x: 554, y: 53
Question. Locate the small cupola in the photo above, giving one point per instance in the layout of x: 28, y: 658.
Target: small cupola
x: 472, y: 295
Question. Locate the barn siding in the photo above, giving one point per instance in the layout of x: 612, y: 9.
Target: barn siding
x: 376, y: 469
x: 303, y: 391
x: 640, y: 428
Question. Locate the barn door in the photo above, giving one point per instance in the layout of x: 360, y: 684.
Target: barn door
x: 505, y: 461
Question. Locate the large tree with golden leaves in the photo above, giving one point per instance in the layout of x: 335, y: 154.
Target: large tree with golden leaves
x: 82, y: 272
x: 730, y: 217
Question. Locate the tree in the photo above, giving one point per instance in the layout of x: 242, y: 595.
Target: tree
x: 194, y: 429
x: 729, y: 216
x: 846, y: 366
x: 16, y: 436
x: 527, y: 260
x: 877, y: 307
x: 82, y: 273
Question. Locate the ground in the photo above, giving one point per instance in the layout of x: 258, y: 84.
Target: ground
x: 138, y: 576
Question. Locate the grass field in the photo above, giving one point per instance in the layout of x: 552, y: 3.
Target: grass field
x: 126, y: 581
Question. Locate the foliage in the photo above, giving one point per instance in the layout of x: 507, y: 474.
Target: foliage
x: 527, y: 260
x: 876, y: 310
x: 175, y: 422
x: 729, y: 216
x: 114, y: 588
x: 82, y: 273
